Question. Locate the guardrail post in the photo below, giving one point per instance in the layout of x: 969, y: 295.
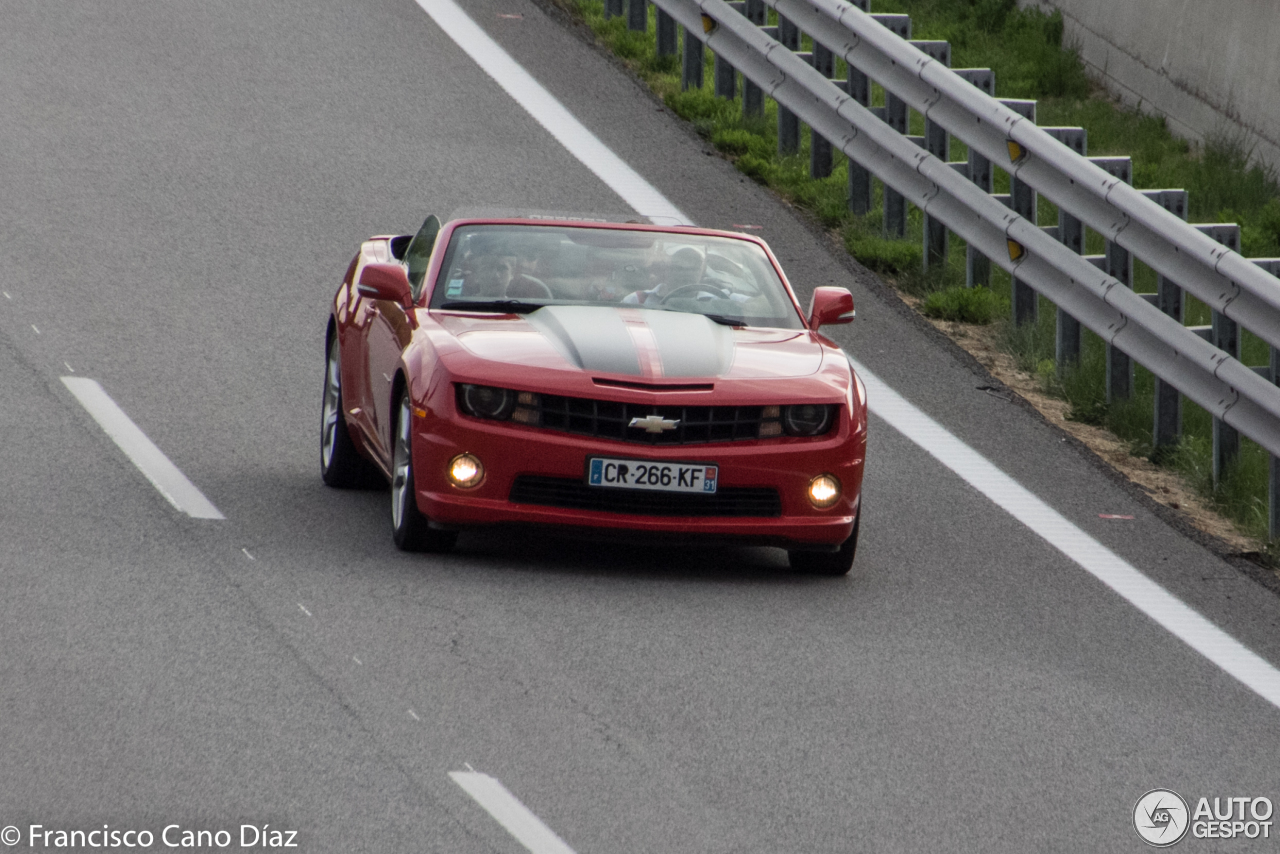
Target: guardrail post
x: 667, y: 40
x: 613, y: 8
x: 860, y: 194
x: 1022, y: 199
x: 1119, y: 265
x: 858, y: 87
x: 938, y: 143
x: 691, y: 67
x: 1226, y: 439
x: 1273, y: 490
x: 788, y: 122
x: 895, y: 116
x: 638, y: 15
x: 753, y: 95
x: 824, y: 61
x: 1272, y: 266
x: 977, y: 267
x: 1226, y: 337
x: 1167, y: 429
x: 726, y: 79
x: 1068, y: 333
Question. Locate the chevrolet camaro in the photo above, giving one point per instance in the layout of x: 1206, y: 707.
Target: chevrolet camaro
x: 625, y: 379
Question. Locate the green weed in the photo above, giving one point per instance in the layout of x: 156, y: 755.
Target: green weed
x: 967, y: 305
x: 1025, y: 49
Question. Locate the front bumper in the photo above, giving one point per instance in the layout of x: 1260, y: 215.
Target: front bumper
x: 510, y: 451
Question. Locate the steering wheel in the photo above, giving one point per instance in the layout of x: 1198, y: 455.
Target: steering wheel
x: 690, y: 289
x: 527, y: 288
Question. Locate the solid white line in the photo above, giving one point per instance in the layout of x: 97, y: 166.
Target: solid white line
x: 144, y: 454
x: 1016, y: 500
x: 1147, y: 596
x: 526, y: 827
x: 551, y: 114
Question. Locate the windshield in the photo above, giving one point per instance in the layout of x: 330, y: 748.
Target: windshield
x: 524, y: 267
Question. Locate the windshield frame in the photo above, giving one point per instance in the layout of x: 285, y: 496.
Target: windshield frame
x: 435, y: 294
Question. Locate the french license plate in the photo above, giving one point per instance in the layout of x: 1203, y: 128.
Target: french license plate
x: 642, y: 474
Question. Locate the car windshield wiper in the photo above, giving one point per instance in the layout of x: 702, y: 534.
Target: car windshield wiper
x: 723, y: 320
x: 506, y: 306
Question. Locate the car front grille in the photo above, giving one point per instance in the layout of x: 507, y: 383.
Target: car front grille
x: 608, y: 419
x: 576, y: 495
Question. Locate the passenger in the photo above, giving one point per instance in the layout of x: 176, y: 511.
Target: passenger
x: 525, y: 283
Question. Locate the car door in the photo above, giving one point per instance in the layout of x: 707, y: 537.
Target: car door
x: 387, y: 336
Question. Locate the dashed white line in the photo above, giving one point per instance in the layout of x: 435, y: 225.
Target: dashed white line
x: 357, y: 661
x: 304, y: 609
x: 519, y: 821
x: 1154, y: 601
x: 414, y: 715
x: 6, y: 294
x: 69, y: 368
x: 33, y: 326
x: 150, y: 460
x: 246, y: 554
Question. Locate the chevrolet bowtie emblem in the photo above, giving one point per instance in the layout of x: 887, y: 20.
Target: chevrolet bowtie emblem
x: 653, y: 423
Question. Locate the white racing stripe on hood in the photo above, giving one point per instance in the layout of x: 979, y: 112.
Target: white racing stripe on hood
x: 595, y: 338
x: 689, y: 344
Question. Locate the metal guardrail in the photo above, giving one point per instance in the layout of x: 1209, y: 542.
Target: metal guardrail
x: 1095, y: 292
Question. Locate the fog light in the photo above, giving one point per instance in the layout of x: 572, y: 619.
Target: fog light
x: 465, y: 471
x: 824, y: 490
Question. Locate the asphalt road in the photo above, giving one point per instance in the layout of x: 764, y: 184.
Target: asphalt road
x: 182, y: 186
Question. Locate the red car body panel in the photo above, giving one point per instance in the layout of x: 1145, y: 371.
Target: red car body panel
x: 385, y: 348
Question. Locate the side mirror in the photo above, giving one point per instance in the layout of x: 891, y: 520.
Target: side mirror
x: 830, y: 306
x: 385, y: 282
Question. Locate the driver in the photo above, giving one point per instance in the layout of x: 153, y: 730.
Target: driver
x: 489, y: 275
x: 684, y: 270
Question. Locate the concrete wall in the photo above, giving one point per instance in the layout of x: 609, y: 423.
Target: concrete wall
x: 1208, y: 66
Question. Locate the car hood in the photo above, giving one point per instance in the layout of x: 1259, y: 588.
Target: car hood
x: 636, y: 342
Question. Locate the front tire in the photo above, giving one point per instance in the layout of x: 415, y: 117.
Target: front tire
x: 829, y: 563
x: 409, y: 527
x: 340, y: 463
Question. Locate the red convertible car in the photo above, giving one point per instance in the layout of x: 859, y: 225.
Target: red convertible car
x: 654, y: 381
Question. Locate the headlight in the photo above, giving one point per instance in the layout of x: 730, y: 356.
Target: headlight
x: 499, y: 404
x: 485, y: 401
x: 806, y: 419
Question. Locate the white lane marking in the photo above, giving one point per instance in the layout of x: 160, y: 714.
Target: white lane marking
x: 1144, y: 594
x: 519, y: 821
x: 356, y: 660
x: 33, y: 326
x: 414, y: 715
x: 69, y: 368
x: 304, y: 609
x: 150, y: 460
x: 1154, y: 601
x: 246, y: 554
x: 551, y: 114
x: 6, y: 295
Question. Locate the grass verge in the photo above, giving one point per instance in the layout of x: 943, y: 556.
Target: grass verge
x: 1025, y: 49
